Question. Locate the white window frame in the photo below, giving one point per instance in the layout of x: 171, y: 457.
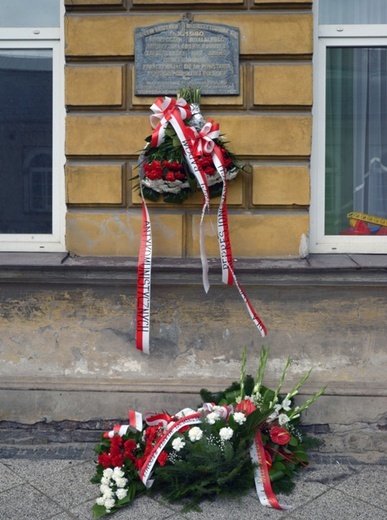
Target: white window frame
x: 52, y: 39
x: 330, y: 36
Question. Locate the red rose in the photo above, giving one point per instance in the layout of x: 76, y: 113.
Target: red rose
x: 245, y: 406
x: 279, y: 435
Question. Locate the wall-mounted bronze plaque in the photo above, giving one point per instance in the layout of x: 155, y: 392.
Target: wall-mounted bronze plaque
x: 186, y: 53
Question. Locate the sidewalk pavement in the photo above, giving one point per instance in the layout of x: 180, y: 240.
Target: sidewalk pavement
x: 53, y: 482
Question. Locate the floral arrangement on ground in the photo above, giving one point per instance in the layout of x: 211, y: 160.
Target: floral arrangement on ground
x: 179, y: 132
x: 243, y: 435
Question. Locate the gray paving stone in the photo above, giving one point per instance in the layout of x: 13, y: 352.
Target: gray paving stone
x: 144, y: 508
x: 338, y: 506
x: 37, y: 469
x: 69, y: 487
x: 8, y: 478
x: 50, y: 488
x: 62, y: 516
x: 329, y: 474
x: 367, y: 484
x: 26, y: 503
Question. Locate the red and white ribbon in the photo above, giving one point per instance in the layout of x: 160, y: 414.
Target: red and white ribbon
x: 148, y: 465
x: 194, y: 145
x: 135, y: 424
x: 163, y: 110
x: 223, y: 411
x: 185, y: 135
x: 160, y: 419
x: 261, y: 475
x: 135, y: 421
x: 144, y: 269
x: 205, y: 138
x: 226, y: 256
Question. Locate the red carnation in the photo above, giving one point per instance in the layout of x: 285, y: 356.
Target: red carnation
x: 279, y: 435
x: 117, y: 460
x: 174, y: 166
x: 138, y: 463
x: 105, y: 460
x: 245, y: 406
x: 163, y: 457
x: 153, y: 170
x: 170, y: 177
x: 210, y: 171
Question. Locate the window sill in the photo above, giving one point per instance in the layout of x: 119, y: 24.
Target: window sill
x: 59, y: 268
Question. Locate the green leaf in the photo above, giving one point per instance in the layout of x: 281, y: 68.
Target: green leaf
x: 301, y: 455
x: 99, y: 511
x: 275, y: 474
x: 293, y: 441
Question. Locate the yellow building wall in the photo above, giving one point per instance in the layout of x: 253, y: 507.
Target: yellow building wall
x: 267, y: 125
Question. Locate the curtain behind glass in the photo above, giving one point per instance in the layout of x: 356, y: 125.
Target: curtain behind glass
x: 26, y: 141
x: 352, y: 12
x: 356, y: 134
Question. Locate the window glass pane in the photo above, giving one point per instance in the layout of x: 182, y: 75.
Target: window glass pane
x: 353, y: 12
x: 25, y: 141
x: 29, y: 13
x: 356, y: 139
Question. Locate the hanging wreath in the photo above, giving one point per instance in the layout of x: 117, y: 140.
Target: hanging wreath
x: 164, y: 169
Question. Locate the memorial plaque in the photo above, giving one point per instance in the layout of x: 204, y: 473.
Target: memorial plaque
x: 186, y: 54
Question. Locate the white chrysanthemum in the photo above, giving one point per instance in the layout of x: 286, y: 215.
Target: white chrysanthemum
x: 226, y: 433
x: 195, y: 434
x: 117, y: 472
x: 105, y: 490
x: 121, y: 482
x: 239, y: 417
x: 108, y: 472
x: 121, y: 493
x: 106, y: 481
x: 109, y: 503
x: 212, y: 418
x: 283, y: 419
x: 178, y: 444
x: 100, y: 501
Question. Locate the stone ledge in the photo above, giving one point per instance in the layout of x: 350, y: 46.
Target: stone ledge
x: 62, y: 268
x: 191, y: 387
